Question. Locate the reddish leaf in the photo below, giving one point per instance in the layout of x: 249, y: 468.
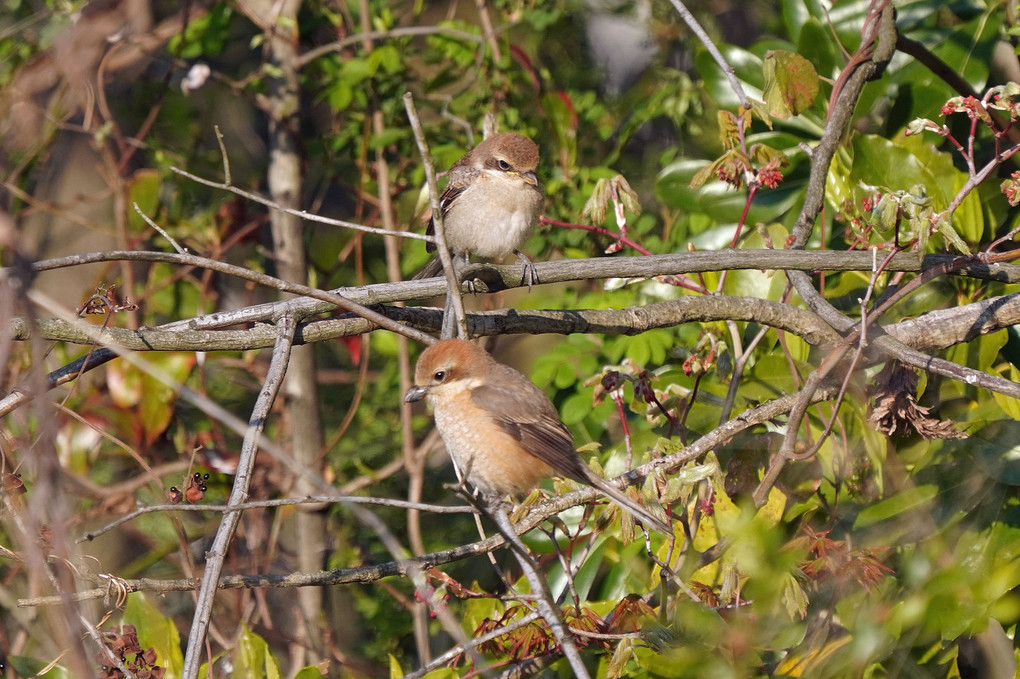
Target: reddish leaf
x: 791, y: 83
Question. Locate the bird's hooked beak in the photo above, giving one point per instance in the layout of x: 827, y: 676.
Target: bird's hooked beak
x: 415, y: 393
x: 529, y: 177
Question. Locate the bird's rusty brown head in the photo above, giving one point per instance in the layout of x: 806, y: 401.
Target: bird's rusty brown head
x: 445, y: 363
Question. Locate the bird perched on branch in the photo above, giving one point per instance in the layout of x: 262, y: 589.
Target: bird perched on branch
x: 502, y: 431
x: 491, y: 204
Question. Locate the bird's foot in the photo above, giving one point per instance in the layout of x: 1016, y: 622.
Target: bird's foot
x: 530, y: 275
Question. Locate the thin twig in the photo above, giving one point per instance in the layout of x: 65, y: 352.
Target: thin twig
x: 862, y: 67
x: 315, y: 53
x: 262, y: 200
x: 227, y: 179
x: 157, y: 227
x: 217, y: 553
x: 536, y: 515
x: 454, y: 300
x: 451, y: 654
x: 727, y: 70
x: 332, y: 298
x: 281, y: 502
x: 546, y: 605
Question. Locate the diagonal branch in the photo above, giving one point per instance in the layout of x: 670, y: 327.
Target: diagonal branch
x: 536, y: 515
x: 239, y: 494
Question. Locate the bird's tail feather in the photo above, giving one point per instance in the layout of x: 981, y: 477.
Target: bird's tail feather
x: 632, y: 506
x: 432, y: 269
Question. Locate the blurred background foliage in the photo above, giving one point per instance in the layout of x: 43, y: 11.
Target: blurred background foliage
x: 879, y: 556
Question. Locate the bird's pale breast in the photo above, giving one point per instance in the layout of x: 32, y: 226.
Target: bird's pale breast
x: 491, y: 460
x: 493, y: 217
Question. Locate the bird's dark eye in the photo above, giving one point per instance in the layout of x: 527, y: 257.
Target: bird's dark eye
x: 439, y: 375
x: 503, y: 165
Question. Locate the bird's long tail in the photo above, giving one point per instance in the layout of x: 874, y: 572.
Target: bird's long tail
x: 632, y: 506
x: 433, y: 268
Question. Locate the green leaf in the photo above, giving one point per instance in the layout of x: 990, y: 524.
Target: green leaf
x: 475, y: 611
x: 816, y: 45
x: 387, y: 58
x: 748, y: 68
x: 907, y: 162
x: 157, y: 631
x: 206, y: 35
x: 771, y: 375
x: 158, y: 398
x: 996, y: 448
x: 340, y: 95
x: 396, y: 671
x: 31, y: 667
x: 618, y: 663
x: 791, y: 83
x: 356, y: 70
x: 178, y: 299
x: 795, y: 14
x: 253, y: 659
x: 649, y: 348
x: 458, y: 52
x: 144, y: 188
x: 795, y: 599
x: 720, y: 201
x: 1010, y: 406
x: 389, y: 136
x: 906, y: 500
x: 576, y: 408
x: 989, y: 347
x: 589, y: 571
x: 755, y: 282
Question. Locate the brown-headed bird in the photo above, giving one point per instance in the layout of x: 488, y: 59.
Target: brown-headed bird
x: 502, y: 431
x: 492, y: 202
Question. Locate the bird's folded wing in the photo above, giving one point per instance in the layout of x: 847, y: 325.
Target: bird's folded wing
x: 540, y: 433
x: 446, y: 200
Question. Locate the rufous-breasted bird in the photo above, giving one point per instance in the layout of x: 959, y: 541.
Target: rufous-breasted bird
x: 502, y: 431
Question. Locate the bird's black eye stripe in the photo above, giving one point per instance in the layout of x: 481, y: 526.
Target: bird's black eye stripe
x: 439, y: 375
x: 503, y: 165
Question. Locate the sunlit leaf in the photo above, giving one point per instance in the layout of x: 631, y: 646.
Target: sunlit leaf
x: 908, y: 500
x: 791, y: 83
x: 156, y: 630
